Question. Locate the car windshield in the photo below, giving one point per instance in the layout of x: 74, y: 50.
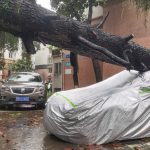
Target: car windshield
x: 25, y: 78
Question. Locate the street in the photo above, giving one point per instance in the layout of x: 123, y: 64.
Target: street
x: 23, y: 130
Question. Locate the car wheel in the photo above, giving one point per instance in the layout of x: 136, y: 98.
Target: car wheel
x: 8, y: 107
x: 41, y: 106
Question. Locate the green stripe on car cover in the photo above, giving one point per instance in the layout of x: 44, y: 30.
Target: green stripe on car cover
x: 67, y: 99
x: 144, y: 90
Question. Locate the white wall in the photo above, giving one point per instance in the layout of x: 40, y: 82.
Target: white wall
x: 42, y: 56
x: 97, y: 12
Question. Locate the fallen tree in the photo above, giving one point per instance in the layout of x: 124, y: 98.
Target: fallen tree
x: 31, y: 22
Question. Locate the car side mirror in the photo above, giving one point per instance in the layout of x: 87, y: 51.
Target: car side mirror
x: 43, y: 83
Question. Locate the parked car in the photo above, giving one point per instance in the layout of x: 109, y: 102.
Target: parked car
x: 115, y: 109
x: 23, y: 88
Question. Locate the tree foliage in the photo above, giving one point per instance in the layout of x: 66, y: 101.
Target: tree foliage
x: 23, y: 64
x: 144, y: 5
x: 2, y: 62
x: 8, y: 41
x: 74, y: 8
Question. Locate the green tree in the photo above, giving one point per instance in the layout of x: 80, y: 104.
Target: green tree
x: 144, y: 5
x: 2, y: 62
x: 23, y: 64
x: 9, y: 42
x: 74, y: 8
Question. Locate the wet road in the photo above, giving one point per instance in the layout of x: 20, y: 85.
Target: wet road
x: 23, y: 130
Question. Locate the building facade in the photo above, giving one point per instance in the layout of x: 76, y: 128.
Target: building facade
x: 42, y: 62
x: 9, y: 58
x: 62, y: 78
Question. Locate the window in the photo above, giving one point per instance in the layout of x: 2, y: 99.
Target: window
x: 18, y: 77
x: 50, y: 70
x: 10, y: 54
x: 50, y: 61
x: 57, y: 67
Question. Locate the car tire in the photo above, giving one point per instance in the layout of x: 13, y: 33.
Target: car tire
x: 8, y: 107
x: 41, y: 106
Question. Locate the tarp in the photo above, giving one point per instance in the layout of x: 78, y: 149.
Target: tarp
x: 117, y: 108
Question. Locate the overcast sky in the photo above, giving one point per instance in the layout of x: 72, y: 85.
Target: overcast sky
x: 44, y: 3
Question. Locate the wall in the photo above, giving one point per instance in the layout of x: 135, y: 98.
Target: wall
x: 57, y: 78
x: 124, y: 20
x: 41, y: 62
x: 41, y: 57
x: 6, y: 72
x: 67, y: 71
x: 86, y: 74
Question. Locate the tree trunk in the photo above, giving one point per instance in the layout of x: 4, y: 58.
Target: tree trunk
x: 74, y: 64
x: 26, y: 19
x: 95, y: 62
x: 97, y: 70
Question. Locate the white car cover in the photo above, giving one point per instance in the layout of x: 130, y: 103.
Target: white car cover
x: 115, y: 109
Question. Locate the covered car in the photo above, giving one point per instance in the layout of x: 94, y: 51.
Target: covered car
x: 117, y: 108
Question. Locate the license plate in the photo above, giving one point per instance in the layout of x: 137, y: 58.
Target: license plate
x: 22, y: 99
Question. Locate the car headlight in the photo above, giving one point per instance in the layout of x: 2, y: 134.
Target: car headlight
x: 5, y: 88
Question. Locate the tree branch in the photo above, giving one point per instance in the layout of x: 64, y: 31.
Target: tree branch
x: 104, y: 51
x: 100, y: 25
x: 90, y: 12
x: 69, y: 34
x: 28, y: 43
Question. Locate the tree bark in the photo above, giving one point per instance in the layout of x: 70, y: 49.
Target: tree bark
x: 95, y: 62
x: 26, y: 19
x: 74, y: 64
x: 97, y: 70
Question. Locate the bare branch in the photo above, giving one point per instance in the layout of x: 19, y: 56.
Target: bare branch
x: 144, y: 66
x: 104, y: 51
x: 126, y: 54
x: 90, y: 12
x: 100, y: 25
